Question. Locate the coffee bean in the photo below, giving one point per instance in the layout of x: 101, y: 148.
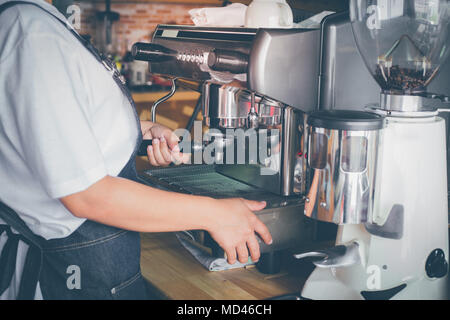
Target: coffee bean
x: 403, y: 79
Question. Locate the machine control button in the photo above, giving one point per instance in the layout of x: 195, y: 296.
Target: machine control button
x: 436, y: 265
x: 192, y: 57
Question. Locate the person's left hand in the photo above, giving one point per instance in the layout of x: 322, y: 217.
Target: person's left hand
x: 164, y: 149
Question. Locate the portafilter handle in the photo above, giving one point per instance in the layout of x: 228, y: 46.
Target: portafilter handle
x: 195, y: 146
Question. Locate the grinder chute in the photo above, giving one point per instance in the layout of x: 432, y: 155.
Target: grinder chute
x: 391, y: 206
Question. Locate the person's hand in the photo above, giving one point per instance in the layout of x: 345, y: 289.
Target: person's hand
x: 164, y: 149
x: 235, y: 229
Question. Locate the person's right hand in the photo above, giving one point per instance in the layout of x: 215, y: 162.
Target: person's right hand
x: 164, y: 149
x: 235, y: 227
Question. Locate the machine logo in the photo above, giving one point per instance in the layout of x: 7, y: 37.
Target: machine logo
x: 387, y: 10
x: 74, y: 280
x: 373, y: 21
x: 74, y: 16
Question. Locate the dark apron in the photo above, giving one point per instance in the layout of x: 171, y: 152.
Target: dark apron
x: 96, y: 261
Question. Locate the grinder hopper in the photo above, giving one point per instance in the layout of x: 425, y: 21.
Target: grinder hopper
x: 402, y: 42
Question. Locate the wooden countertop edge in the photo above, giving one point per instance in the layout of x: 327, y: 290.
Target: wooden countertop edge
x: 140, y: 97
x: 173, y: 273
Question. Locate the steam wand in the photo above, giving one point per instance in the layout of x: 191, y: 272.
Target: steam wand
x: 148, y: 142
x: 163, y: 99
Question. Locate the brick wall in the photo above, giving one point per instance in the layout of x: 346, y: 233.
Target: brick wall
x: 137, y: 20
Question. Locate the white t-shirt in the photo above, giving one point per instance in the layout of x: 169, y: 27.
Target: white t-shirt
x: 64, y: 122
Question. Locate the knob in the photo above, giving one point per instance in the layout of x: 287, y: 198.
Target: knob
x: 225, y: 60
x: 436, y: 265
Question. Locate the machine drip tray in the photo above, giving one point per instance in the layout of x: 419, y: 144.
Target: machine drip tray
x: 204, y: 180
x: 282, y: 215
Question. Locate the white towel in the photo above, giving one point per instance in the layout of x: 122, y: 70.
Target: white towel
x: 229, y: 16
x: 204, y: 258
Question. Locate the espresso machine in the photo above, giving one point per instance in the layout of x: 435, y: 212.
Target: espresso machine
x: 381, y: 174
x: 255, y: 93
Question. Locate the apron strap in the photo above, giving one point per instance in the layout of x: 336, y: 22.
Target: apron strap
x: 30, y: 274
x: 8, y: 258
x: 12, y: 219
x: 31, y: 270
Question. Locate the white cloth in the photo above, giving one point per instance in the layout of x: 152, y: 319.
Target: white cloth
x: 13, y: 290
x: 232, y: 15
x: 204, y: 257
x: 64, y: 123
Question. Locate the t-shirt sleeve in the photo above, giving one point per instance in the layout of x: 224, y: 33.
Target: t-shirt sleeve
x: 52, y: 115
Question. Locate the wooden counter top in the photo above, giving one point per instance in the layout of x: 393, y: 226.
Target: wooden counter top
x: 139, y: 97
x: 175, y: 274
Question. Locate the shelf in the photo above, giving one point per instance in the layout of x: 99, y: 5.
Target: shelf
x: 140, y: 97
x: 208, y: 2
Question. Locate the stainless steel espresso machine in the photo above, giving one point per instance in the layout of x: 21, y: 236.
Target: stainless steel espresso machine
x: 255, y: 94
x: 378, y: 173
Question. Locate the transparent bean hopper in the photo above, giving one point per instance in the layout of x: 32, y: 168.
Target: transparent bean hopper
x: 401, y: 250
x: 403, y: 44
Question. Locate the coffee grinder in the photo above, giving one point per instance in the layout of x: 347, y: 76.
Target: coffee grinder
x: 380, y: 174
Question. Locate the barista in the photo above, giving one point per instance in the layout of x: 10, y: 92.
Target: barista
x: 68, y: 137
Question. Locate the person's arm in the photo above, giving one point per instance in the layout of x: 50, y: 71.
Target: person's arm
x: 129, y: 205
